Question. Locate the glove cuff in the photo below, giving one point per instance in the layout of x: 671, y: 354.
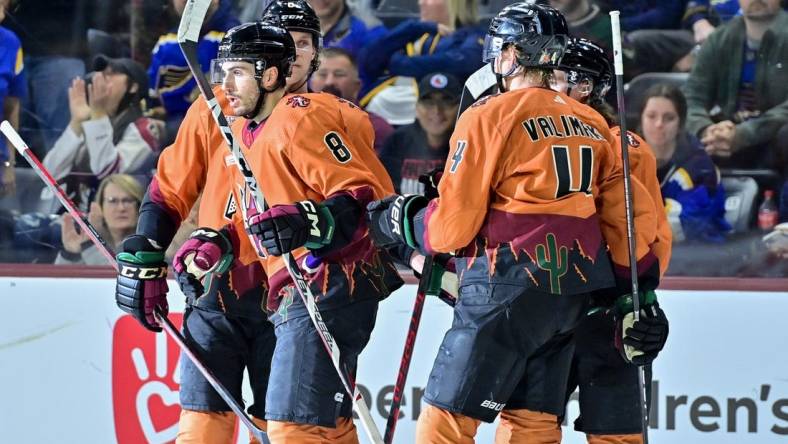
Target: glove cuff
x: 625, y: 303
x: 321, y: 224
x: 412, y: 205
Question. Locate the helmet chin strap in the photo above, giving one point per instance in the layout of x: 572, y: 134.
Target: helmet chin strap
x: 515, y: 69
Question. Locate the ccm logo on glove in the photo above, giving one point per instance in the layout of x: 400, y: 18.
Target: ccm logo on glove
x: 143, y: 273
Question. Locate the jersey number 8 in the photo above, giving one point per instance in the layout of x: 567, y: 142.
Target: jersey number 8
x: 337, y: 147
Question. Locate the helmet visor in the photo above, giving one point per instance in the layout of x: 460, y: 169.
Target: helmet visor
x: 238, y: 68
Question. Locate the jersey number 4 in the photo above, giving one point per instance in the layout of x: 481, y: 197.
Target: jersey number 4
x: 337, y: 147
x: 565, y: 174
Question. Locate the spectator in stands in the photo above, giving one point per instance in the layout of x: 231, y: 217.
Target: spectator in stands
x: 690, y: 182
x: 738, y: 90
x: 12, y: 89
x: 107, y: 133
x: 338, y: 75
x: 447, y: 38
x: 172, y: 88
x: 54, y: 37
x: 113, y: 214
x: 423, y: 146
x: 345, y: 27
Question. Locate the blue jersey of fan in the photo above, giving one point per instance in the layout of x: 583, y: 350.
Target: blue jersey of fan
x: 12, y: 79
x: 171, y: 81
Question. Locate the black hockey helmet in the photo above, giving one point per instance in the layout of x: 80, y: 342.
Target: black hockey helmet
x: 538, y: 32
x: 297, y: 15
x: 263, y: 44
x: 585, y: 61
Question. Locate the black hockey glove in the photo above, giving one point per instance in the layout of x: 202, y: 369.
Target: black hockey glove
x: 206, y: 251
x: 431, y: 181
x: 639, y: 342
x: 390, y: 220
x: 283, y: 228
x: 142, y: 280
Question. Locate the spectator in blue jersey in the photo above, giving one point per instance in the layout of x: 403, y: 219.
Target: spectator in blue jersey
x: 446, y: 38
x: 107, y: 132
x: 12, y: 89
x: 422, y: 146
x: 344, y: 27
x: 172, y: 87
x: 737, y: 92
x: 690, y: 182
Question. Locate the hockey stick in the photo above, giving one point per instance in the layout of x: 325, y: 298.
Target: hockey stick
x: 104, y: 249
x: 407, y: 353
x: 188, y: 37
x: 483, y: 82
x: 628, y: 198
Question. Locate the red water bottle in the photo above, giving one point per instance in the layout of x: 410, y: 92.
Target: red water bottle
x: 767, y: 212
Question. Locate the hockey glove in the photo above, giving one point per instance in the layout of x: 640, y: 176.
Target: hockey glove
x: 390, y: 220
x: 639, y: 342
x: 431, y: 181
x: 283, y: 228
x: 142, y: 280
x: 206, y: 251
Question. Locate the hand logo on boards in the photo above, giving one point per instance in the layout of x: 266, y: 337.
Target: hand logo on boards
x: 145, y: 382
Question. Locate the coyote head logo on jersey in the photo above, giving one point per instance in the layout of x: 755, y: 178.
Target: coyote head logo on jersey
x: 298, y: 101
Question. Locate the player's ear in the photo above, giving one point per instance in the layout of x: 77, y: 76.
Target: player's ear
x: 270, y: 76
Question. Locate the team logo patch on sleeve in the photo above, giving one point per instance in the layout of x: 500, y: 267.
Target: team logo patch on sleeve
x: 298, y: 101
x: 632, y: 140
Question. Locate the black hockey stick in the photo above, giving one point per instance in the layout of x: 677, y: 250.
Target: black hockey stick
x: 407, y: 353
x: 188, y: 38
x: 481, y: 83
x: 104, y: 249
x: 628, y: 199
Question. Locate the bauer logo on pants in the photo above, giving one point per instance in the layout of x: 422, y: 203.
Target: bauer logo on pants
x: 145, y: 382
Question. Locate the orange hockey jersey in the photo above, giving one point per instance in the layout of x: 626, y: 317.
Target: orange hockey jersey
x: 643, y: 166
x: 315, y: 146
x: 531, y: 195
x: 197, y: 164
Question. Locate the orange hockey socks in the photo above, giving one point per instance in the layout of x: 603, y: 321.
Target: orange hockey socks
x: 521, y: 426
x: 615, y: 439
x: 205, y: 427
x: 437, y: 426
x: 292, y: 433
x: 262, y: 425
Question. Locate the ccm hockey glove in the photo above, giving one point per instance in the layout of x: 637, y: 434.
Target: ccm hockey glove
x: 206, y: 251
x: 639, y: 342
x: 284, y: 228
x: 390, y: 220
x: 142, y: 280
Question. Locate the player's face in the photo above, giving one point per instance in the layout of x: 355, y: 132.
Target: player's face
x: 560, y: 82
x: 436, y: 114
x: 337, y: 76
x: 660, y: 123
x: 119, y: 208
x: 579, y: 92
x: 305, y: 52
x: 241, y: 86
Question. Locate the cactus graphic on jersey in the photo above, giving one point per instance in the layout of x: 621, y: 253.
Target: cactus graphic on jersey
x: 553, y: 260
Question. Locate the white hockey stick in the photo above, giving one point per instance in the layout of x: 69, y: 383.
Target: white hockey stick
x: 478, y: 84
x: 104, y: 249
x: 188, y: 37
x: 628, y: 198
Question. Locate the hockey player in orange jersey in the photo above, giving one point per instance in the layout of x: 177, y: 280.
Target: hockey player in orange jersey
x: 609, y: 401
x: 228, y: 322
x: 530, y: 199
x: 310, y: 171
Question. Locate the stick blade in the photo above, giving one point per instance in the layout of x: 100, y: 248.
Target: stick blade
x: 192, y: 20
x: 13, y: 137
